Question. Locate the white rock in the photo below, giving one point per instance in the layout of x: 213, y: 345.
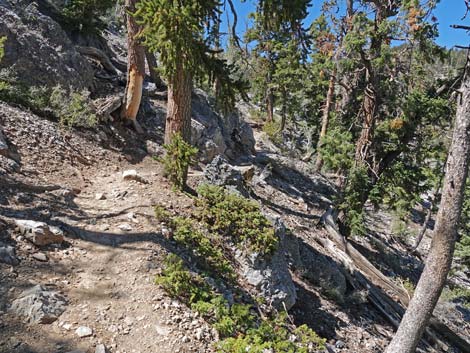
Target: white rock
x: 131, y: 174
x: 84, y: 331
x: 100, y: 196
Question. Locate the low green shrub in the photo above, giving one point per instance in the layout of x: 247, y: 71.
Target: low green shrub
x: 179, y: 156
x: 236, y: 217
x: 72, y: 109
x: 273, y: 130
x: 162, y: 215
x: 274, y: 335
x: 238, y: 325
x: 457, y: 294
x: 206, y: 246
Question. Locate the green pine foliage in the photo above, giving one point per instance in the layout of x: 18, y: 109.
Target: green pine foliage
x: 179, y: 156
x: 236, y: 217
x: 86, y: 15
x: 180, y: 32
x: 2, y: 48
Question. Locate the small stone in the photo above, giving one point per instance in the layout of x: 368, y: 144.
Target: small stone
x: 125, y: 227
x: 100, y: 196
x: 132, y: 175
x: 199, y: 334
x: 185, y: 339
x: 40, y: 256
x: 83, y: 331
x: 340, y: 344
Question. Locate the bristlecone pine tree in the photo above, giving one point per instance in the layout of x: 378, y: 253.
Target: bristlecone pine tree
x: 135, y: 67
x: 439, y: 259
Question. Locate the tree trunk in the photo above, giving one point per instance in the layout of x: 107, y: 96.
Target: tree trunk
x: 178, y: 118
x: 135, y: 68
x: 284, y: 111
x: 439, y: 259
x: 326, y: 116
x: 152, y: 65
x: 270, y: 106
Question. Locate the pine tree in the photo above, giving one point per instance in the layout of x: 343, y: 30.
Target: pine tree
x: 439, y: 259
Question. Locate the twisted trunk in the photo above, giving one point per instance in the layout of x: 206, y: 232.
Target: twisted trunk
x: 135, y: 68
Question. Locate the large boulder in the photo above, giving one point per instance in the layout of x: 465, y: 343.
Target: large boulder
x: 39, y: 305
x: 38, y: 51
x: 270, y: 274
x: 219, y: 172
x: 215, y: 135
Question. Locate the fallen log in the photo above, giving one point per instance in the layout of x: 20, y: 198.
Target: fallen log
x: 383, y: 293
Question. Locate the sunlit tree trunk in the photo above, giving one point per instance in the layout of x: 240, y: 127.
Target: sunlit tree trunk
x: 326, y: 117
x: 135, y: 68
x: 439, y: 259
x: 178, y: 118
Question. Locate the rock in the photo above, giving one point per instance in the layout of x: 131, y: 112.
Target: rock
x: 84, y: 331
x: 101, y: 348
x: 340, y: 344
x: 219, y: 172
x: 125, y: 227
x: 38, y: 304
x: 247, y: 172
x: 40, y: 256
x: 4, y: 150
x: 270, y: 274
x: 215, y: 135
x: 100, y: 196
x: 39, y: 233
x: 38, y: 52
x: 131, y: 174
x: 8, y: 255
x: 154, y: 149
x: 315, y: 267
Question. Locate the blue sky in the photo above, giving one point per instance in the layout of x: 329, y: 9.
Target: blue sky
x: 448, y: 12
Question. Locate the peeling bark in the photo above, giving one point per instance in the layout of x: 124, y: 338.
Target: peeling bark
x: 135, y: 68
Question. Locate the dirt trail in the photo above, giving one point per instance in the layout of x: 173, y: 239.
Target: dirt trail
x: 107, y: 271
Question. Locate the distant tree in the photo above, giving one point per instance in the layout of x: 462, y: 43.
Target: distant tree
x: 439, y: 259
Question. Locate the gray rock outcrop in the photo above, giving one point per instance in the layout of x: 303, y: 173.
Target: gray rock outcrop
x: 214, y: 135
x: 219, y: 172
x: 40, y: 305
x: 270, y: 274
x: 38, y: 52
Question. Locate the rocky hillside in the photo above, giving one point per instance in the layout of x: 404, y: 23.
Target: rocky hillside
x: 82, y: 236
